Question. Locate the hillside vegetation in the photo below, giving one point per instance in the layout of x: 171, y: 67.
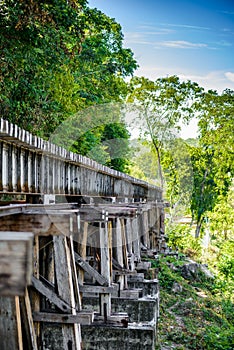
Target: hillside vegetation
x: 195, y: 313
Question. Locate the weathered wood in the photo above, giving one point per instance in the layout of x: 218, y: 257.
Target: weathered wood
x: 38, y: 160
x: 105, y: 298
x: 146, y: 239
x: 83, y: 318
x: 129, y: 240
x: 50, y: 295
x: 15, y: 262
x: 28, y: 325
x: 74, y: 274
x: 10, y: 324
x: 97, y: 289
x: 18, y: 323
x: 82, y: 246
x: 91, y: 271
x: 71, y: 334
x: 39, y: 224
x: 35, y: 298
x: 136, y: 240
x: 77, y: 296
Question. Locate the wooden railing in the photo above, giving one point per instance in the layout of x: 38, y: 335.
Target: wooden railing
x: 32, y: 165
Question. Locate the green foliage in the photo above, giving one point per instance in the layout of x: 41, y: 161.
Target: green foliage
x: 196, y: 318
x: 57, y: 58
x: 144, y: 163
x: 214, y: 158
x: 225, y: 261
x: 181, y: 237
x: 160, y: 105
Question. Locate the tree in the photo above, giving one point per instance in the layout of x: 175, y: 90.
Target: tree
x: 205, y: 190
x: 58, y: 58
x: 214, y: 158
x: 179, y: 179
x: 160, y: 106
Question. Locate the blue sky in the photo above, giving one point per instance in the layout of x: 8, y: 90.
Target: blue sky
x: 191, y: 39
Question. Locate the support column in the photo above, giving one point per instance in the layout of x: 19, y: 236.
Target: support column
x: 105, y: 299
x: 5, y: 166
x: 71, y: 333
x: 10, y: 324
x: 129, y: 239
x: 136, y: 241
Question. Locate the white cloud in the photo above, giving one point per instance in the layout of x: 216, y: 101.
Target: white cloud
x: 187, y: 26
x: 180, y: 44
x: 135, y: 38
x: 229, y: 76
x: 214, y: 80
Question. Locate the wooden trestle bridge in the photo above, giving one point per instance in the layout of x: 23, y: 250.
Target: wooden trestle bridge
x: 73, y: 273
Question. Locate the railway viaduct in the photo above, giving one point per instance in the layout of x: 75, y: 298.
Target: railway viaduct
x: 75, y: 250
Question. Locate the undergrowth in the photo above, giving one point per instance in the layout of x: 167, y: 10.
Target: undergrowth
x: 199, y: 316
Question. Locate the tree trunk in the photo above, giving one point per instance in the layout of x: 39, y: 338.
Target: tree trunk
x: 198, y: 228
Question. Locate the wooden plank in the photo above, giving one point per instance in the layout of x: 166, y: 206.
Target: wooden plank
x: 82, y: 244
x: 83, y: 318
x: 97, y: 289
x: 50, y: 294
x: 15, y: 262
x: 129, y: 240
x: 105, y: 298
x: 27, y: 319
x: 135, y: 238
x: 118, y: 250
x: 71, y: 334
x: 9, y: 338
x: 123, y: 272
x: 35, y: 298
x: 90, y: 270
x: 18, y: 323
x: 39, y: 224
x: 73, y: 265
x: 110, y: 241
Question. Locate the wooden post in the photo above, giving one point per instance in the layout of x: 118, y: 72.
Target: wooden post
x: 27, y: 319
x: 35, y: 295
x: 136, y: 241
x: 83, y: 234
x: 10, y: 324
x: 73, y: 267
x: 124, y: 250
x: 129, y: 239
x: 118, y: 250
x: 105, y: 268
x: 146, y: 239
x: 71, y: 334
x: 5, y: 167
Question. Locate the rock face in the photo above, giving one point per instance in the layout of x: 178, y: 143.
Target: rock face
x: 192, y: 270
x: 176, y: 288
x: 206, y: 271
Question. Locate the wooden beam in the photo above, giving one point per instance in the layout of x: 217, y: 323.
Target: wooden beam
x: 97, y: 289
x: 28, y: 325
x: 90, y: 270
x: 66, y: 288
x: 83, y: 318
x: 82, y: 229
x: 9, y: 324
x: 105, y: 297
x: 15, y: 262
x: 50, y: 295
